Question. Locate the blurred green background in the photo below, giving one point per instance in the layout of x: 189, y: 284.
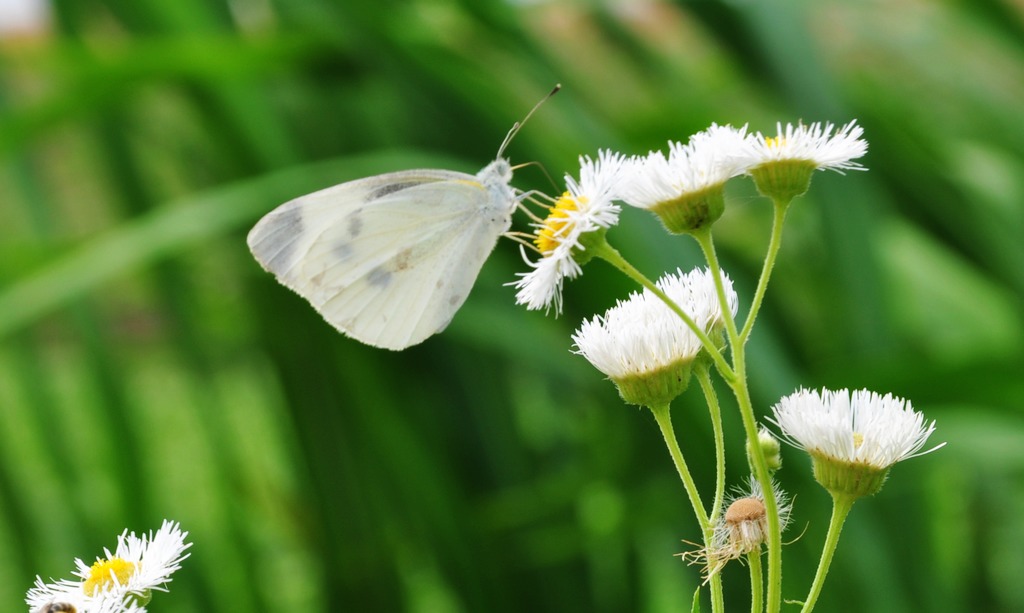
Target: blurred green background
x: 150, y: 369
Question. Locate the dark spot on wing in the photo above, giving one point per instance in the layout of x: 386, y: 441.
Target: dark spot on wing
x: 390, y: 188
x: 342, y: 250
x: 403, y: 260
x: 379, y: 277
x: 454, y: 299
x: 355, y: 224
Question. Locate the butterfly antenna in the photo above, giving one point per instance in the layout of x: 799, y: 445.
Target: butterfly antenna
x: 519, y: 124
x: 542, y: 169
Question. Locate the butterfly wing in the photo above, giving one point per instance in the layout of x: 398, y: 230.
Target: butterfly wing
x: 387, y: 260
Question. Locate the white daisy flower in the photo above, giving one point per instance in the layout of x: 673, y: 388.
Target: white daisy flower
x: 643, y: 346
x: 743, y: 527
x: 853, y: 438
x: 706, y: 160
x: 782, y: 165
x: 585, y: 209
x: 122, y: 580
x: 814, y: 143
x: 685, y: 188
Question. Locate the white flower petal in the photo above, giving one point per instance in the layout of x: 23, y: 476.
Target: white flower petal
x: 814, y: 143
x: 154, y: 556
x: 859, y: 427
x: 642, y: 334
x: 594, y: 196
x: 709, y: 158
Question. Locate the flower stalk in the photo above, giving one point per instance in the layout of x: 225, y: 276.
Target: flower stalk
x: 756, y: 582
x: 841, y: 506
x: 780, y: 206
x: 759, y: 466
x: 715, y: 411
x: 662, y: 415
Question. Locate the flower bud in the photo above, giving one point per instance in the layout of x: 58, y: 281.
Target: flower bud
x: 769, y: 447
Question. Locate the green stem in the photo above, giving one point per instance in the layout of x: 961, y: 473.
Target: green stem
x: 841, y: 506
x: 704, y: 378
x: 769, y: 263
x: 760, y: 465
x: 763, y: 476
x: 609, y: 254
x: 717, y: 598
x: 707, y: 245
x: 664, y: 419
x: 756, y: 581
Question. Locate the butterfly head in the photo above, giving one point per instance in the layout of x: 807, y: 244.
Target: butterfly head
x: 498, y: 172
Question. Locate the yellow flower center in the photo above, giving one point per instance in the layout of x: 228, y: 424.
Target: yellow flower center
x: 557, y: 223
x: 105, y: 572
x: 858, y: 440
x: 774, y: 142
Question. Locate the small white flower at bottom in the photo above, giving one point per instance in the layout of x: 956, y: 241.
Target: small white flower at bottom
x: 122, y: 579
x: 586, y: 207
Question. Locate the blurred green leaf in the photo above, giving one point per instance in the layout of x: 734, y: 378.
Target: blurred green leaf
x: 150, y: 369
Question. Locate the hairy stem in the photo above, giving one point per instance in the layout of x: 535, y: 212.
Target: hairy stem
x: 841, y: 506
x: 774, y: 243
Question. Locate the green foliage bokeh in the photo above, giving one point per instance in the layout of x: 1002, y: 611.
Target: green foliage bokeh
x: 150, y: 369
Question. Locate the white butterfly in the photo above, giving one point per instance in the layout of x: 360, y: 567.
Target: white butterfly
x: 389, y: 259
